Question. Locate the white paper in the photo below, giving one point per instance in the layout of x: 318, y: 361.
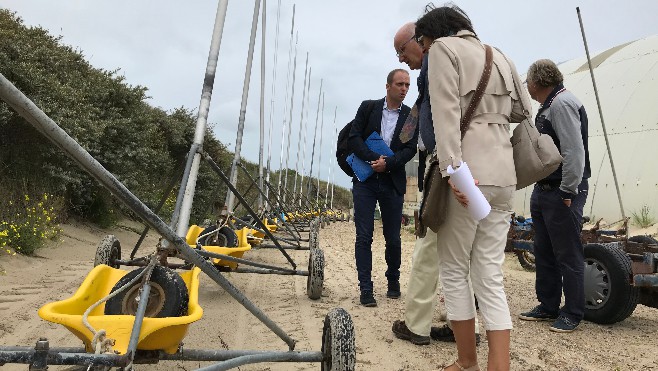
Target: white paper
x: 462, y: 179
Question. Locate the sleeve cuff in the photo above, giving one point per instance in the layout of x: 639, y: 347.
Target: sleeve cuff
x: 566, y: 195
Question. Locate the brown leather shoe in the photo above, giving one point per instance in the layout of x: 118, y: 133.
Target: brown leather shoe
x: 401, y: 331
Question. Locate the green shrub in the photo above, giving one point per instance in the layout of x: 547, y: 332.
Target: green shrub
x: 643, y: 218
x: 27, y: 223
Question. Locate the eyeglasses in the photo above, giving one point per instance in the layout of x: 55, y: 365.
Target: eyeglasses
x: 401, y: 51
x: 419, y: 39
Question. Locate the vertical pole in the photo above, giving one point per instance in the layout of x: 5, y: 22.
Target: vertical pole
x: 598, y: 102
x: 262, y: 106
x: 301, y: 125
x: 283, y: 130
x: 317, y: 117
x: 333, y: 179
x: 230, y: 197
x: 317, y: 195
x: 326, y: 192
x: 202, y: 118
x: 269, y: 135
x: 292, y: 105
x: 301, y: 182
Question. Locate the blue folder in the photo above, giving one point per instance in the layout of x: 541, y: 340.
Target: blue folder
x: 362, y: 169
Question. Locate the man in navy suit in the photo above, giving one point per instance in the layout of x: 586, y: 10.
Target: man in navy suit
x: 387, y: 117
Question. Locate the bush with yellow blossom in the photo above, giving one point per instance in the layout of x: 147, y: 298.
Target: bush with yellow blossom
x: 27, y: 223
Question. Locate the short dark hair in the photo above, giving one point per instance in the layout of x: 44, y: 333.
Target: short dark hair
x: 444, y: 21
x: 389, y: 78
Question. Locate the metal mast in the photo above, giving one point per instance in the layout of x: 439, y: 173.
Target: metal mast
x: 292, y: 105
x: 301, y: 125
x: 184, y: 201
x: 317, y: 117
x: 598, y: 102
x: 326, y: 193
x: 262, y: 106
x: 283, y: 130
x: 317, y: 194
x: 230, y: 197
x: 273, y: 94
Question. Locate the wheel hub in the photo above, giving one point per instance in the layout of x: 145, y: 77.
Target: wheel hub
x: 155, y: 303
x: 597, y: 284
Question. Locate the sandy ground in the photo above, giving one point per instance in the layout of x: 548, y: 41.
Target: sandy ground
x: 55, y: 274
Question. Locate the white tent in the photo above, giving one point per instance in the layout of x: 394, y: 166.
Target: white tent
x: 627, y: 82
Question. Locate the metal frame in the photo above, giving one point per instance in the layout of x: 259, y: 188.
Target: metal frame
x: 42, y: 355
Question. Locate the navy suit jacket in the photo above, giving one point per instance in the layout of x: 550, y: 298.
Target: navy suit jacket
x: 364, y: 125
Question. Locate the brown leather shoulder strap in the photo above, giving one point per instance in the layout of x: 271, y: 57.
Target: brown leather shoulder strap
x: 479, y: 91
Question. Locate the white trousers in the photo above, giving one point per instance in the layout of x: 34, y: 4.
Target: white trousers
x: 476, y: 250
x: 422, y: 291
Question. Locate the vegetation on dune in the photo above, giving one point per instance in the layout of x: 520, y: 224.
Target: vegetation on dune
x: 143, y: 146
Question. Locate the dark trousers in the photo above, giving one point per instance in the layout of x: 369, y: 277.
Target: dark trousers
x: 377, y: 188
x: 559, y: 251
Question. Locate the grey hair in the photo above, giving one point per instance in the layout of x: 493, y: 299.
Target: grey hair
x: 545, y: 73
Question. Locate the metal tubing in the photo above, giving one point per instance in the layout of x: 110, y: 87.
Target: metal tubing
x: 202, y: 118
x: 326, y: 192
x: 308, y: 97
x: 223, y: 355
x: 249, y: 209
x: 283, y: 131
x: 317, y: 196
x: 317, y: 117
x: 301, y: 124
x: 54, y: 133
x: 273, y: 95
x: 181, y: 191
x: 292, y: 105
x: 271, y: 271
x: 265, y: 357
x: 230, y: 197
x: 242, y: 261
x: 139, y: 317
x: 262, y: 104
x: 598, y: 103
x: 165, y: 196
x: 60, y: 356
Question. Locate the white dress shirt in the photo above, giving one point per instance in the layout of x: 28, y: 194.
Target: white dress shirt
x: 389, y: 120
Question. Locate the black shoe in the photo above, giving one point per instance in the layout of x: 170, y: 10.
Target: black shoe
x: 401, y: 331
x: 393, y: 290
x: 564, y: 324
x: 444, y: 333
x: 538, y: 314
x: 367, y: 299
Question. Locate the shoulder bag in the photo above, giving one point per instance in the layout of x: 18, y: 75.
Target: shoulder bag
x: 535, y: 155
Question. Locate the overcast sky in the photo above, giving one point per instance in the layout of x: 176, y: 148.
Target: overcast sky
x: 163, y: 45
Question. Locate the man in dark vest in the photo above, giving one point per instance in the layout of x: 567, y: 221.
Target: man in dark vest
x: 557, y: 202
x: 387, y: 185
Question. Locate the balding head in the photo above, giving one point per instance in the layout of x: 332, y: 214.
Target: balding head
x: 406, y: 48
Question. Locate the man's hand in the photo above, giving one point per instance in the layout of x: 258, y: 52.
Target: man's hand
x: 567, y: 201
x: 379, y: 165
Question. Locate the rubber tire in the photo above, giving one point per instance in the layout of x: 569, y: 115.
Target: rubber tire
x: 163, y: 280
x: 313, y: 239
x: 643, y: 239
x: 108, y: 250
x: 338, y: 346
x: 611, y: 267
x: 225, y: 235
x: 527, y: 260
x: 315, y: 279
